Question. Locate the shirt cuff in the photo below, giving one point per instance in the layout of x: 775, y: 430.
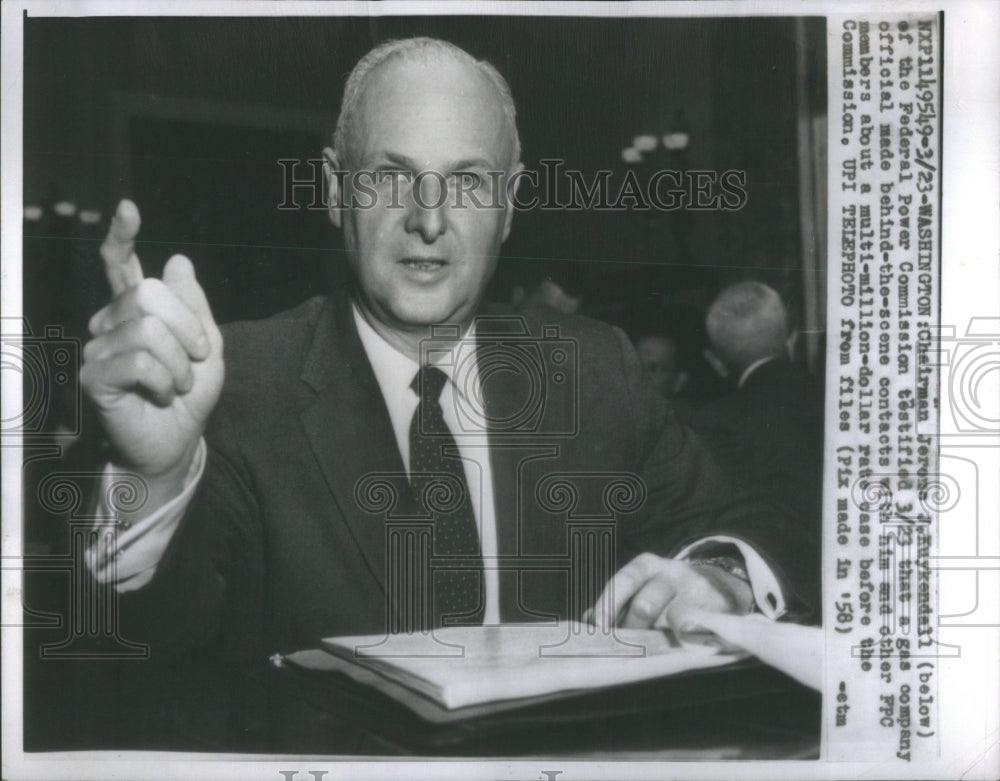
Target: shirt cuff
x: 766, y: 589
x: 126, y: 554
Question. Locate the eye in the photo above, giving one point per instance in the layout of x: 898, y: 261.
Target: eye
x: 469, y: 180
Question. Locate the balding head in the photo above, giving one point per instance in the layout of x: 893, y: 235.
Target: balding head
x: 421, y: 50
x: 422, y: 131
x: 747, y: 322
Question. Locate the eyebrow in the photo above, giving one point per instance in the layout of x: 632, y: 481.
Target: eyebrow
x: 410, y: 164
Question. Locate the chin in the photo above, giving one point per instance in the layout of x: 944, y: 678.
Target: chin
x: 425, y: 316
x: 428, y: 309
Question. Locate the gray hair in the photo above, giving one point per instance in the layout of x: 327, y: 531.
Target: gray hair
x: 745, y: 323
x: 409, y: 47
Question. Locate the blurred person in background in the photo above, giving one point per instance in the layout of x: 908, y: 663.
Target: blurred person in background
x: 768, y: 431
x: 659, y: 355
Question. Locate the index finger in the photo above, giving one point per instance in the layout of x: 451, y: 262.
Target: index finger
x: 121, y: 264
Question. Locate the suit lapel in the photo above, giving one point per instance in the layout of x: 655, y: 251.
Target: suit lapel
x: 349, y: 431
x: 509, y: 389
x: 501, y: 387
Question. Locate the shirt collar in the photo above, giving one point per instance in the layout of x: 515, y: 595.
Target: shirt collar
x: 752, y: 368
x: 394, y: 371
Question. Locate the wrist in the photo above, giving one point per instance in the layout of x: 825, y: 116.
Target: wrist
x: 730, y: 579
x: 155, y: 489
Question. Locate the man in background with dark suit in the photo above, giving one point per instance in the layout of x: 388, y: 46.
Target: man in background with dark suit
x: 767, y: 433
x: 278, y: 454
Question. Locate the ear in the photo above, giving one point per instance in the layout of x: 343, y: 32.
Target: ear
x: 511, y: 195
x: 334, y: 182
x: 716, y: 363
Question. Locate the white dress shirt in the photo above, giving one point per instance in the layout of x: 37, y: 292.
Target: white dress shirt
x: 463, y: 414
x: 128, y: 557
x: 752, y: 368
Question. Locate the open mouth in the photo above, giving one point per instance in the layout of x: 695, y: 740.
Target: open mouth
x: 424, y: 264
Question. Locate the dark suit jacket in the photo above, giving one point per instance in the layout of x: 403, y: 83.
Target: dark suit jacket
x: 282, y: 544
x: 769, y: 435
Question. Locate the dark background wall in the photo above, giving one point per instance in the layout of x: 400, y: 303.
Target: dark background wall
x: 190, y: 116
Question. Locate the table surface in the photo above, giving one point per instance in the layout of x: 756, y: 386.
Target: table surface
x: 747, y: 711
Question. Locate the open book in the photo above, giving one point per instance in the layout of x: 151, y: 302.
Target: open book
x: 465, y: 666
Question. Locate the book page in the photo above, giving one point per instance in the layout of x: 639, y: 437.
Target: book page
x: 467, y: 665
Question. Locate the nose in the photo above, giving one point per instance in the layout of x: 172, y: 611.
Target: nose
x: 427, y: 212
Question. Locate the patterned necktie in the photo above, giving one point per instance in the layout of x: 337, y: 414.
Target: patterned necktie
x: 438, y: 481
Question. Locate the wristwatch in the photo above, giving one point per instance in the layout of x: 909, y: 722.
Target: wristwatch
x: 727, y: 563
x: 731, y: 565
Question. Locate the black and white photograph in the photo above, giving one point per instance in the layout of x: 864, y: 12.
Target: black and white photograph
x: 490, y: 390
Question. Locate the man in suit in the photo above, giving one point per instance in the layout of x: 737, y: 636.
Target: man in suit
x: 767, y: 433
x: 282, y: 456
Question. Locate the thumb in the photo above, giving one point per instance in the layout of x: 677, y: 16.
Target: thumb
x: 178, y: 276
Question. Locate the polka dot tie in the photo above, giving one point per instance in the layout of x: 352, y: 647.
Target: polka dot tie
x: 438, y: 481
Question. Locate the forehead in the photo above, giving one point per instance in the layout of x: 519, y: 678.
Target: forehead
x: 432, y: 110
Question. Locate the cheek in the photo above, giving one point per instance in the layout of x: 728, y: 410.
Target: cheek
x: 481, y: 235
x: 368, y: 243
x: 374, y: 226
